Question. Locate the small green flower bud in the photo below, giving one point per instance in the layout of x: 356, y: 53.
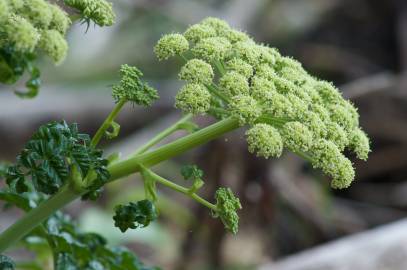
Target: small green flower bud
x: 240, y: 66
x: 99, y: 11
x: 278, y: 106
x: 359, y: 143
x: 342, y: 116
x: 265, y: 71
x: 296, y: 136
x: 38, y: 13
x: 283, y: 86
x: 196, y: 32
x: 193, y: 98
x: 268, y: 55
x: 309, y: 88
x: 131, y: 88
x: 265, y: 140
x: 197, y: 71
x: 288, y: 62
x: 345, y: 173
x: 328, y: 92
x: 220, y: 26
x: 60, y: 19
x: 54, y: 45
x: 227, y: 205
x: 235, y: 36
x: 171, y: 45
x: 212, y: 49
x: 262, y: 89
x: 248, y: 51
x: 293, y: 75
x: 21, y: 33
x: 245, y: 109
x: 321, y: 111
x: 314, y: 123
x: 303, y: 95
x: 337, y: 135
x: 328, y: 158
x: 352, y: 111
x: 232, y: 83
x: 299, y: 106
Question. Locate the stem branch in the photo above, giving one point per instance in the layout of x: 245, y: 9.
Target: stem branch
x: 107, y: 123
x: 180, y: 189
x: 162, y: 135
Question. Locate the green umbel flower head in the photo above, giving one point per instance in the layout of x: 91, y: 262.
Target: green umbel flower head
x: 233, y: 83
x: 60, y: 20
x: 98, y: 11
x: 240, y: 66
x: 272, y: 94
x: 132, y: 88
x: 38, y: 12
x: 28, y: 27
x: 171, y: 45
x: 297, y: 137
x: 197, y: 71
x: 193, y: 98
x: 21, y: 34
x: 54, y: 45
x: 212, y: 49
x: 265, y: 141
x: 199, y: 31
x: 227, y: 205
x: 245, y: 109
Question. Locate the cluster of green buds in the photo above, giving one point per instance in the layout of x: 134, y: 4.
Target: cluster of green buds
x: 28, y: 27
x: 228, y: 74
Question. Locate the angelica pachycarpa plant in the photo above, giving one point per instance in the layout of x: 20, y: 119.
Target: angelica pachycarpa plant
x: 228, y: 76
x: 30, y: 27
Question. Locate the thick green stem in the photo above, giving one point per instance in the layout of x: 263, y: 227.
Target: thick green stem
x: 181, y: 189
x: 131, y: 165
x: 117, y: 170
x: 162, y: 135
x: 33, y: 218
x: 107, y: 123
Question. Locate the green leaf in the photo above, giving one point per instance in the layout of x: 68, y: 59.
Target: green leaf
x: 18, y: 200
x: 51, y: 154
x: 65, y: 261
x: 13, y: 65
x: 134, y: 215
x: 227, y: 205
x: 191, y: 172
x: 6, y: 263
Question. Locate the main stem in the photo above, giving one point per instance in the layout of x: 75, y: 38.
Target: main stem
x: 33, y: 218
x: 118, y: 170
x: 131, y: 165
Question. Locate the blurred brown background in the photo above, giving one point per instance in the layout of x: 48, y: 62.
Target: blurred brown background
x: 360, y: 45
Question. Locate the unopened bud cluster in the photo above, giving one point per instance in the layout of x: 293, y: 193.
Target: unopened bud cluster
x: 283, y: 105
x: 27, y: 25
